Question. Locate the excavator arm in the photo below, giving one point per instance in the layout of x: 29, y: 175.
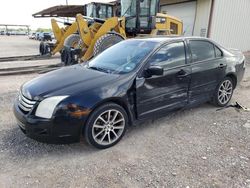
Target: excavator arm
x: 89, y: 35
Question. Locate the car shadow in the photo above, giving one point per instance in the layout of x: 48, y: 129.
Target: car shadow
x: 16, y: 145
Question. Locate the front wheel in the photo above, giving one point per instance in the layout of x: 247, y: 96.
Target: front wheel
x: 106, y: 126
x: 223, y: 92
x: 106, y: 41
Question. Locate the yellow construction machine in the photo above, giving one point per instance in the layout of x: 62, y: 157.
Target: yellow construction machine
x: 67, y: 35
x: 138, y: 17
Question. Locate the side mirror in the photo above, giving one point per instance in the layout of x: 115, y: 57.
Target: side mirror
x: 154, y: 70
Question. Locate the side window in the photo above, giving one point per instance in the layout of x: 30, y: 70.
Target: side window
x: 201, y: 50
x: 102, y: 11
x: 218, y: 52
x: 110, y: 12
x: 169, y: 56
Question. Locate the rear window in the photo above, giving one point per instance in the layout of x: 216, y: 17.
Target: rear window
x: 202, y: 50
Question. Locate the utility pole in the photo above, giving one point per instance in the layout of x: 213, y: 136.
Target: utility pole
x: 67, y: 5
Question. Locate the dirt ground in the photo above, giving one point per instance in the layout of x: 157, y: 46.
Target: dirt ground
x: 198, y: 147
x: 17, y: 46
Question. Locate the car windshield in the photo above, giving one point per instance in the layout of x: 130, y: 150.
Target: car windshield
x: 123, y: 57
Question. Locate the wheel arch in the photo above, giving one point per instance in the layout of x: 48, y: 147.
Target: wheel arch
x: 115, y: 100
x: 118, y: 101
x: 233, y: 77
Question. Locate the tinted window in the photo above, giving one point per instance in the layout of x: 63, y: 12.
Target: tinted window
x: 102, y: 11
x: 153, y: 7
x: 202, y: 50
x: 109, y: 11
x: 171, y: 55
x: 218, y: 52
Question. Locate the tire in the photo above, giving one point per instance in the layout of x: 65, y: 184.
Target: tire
x: 106, y: 41
x: 63, y: 57
x: 69, y: 43
x: 72, y: 40
x: 41, y: 48
x: 44, y: 48
x: 101, y: 135
x: 223, y: 92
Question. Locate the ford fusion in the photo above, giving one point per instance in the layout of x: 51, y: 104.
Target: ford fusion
x: 129, y: 82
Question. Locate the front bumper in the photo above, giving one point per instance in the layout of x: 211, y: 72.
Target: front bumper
x: 61, y: 129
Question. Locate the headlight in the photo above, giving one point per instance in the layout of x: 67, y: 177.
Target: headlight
x: 46, y: 108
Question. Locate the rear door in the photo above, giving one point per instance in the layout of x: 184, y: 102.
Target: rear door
x: 208, y: 68
x: 168, y: 91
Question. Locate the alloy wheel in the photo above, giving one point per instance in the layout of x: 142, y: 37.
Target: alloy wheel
x: 108, y: 127
x: 225, y: 92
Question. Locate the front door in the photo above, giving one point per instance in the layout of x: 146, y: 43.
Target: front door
x: 168, y: 91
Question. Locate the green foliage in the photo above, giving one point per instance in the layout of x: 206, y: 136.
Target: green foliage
x: 43, y: 30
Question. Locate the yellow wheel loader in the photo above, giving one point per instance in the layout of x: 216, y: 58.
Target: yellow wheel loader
x: 67, y: 35
x: 138, y: 18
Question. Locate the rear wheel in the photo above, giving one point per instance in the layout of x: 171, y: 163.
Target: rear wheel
x: 223, y: 92
x: 106, y: 41
x: 106, y: 126
x: 44, y: 48
x: 71, y: 42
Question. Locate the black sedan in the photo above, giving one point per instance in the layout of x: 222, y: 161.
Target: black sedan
x: 131, y: 81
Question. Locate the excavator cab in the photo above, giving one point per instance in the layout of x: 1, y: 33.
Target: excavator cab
x: 100, y: 10
x: 140, y: 16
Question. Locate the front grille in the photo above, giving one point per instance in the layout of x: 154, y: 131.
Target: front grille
x: 25, y: 104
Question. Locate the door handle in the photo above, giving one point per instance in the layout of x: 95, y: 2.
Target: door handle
x: 181, y: 74
x: 222, y: 65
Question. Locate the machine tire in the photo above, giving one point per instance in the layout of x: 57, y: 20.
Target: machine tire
x: 66, y: 57
x: 41, y: 48
x: 106, y: 41
x: 69, y: 43
x: 71, y: 40
x: 63, y: 56
x: 44, y: 48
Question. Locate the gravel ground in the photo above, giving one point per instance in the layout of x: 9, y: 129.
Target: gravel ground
x: 199, y: 147
x: 18, y: 46
x: 14, y: 64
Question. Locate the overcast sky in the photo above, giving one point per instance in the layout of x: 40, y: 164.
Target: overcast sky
x: 20, y: 11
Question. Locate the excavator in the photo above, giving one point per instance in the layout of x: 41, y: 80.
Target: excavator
x: 69, y: 30
x: 139, y: 18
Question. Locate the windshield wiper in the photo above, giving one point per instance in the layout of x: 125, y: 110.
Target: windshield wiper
x: 99, y: 69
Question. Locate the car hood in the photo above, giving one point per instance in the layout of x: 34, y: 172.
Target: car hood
x: 65, y: 81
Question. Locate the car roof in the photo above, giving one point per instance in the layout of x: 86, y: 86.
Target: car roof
x: 162, y: 39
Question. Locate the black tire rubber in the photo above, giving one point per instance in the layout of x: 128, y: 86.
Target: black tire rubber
x: 215, y: 99
x: 89, y: 124
x: 70, y: 40
x: 66, y: 56
x: 106, y: 41
x: 41, y: 48
x: 44, y: 48
x: 63, y: 57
